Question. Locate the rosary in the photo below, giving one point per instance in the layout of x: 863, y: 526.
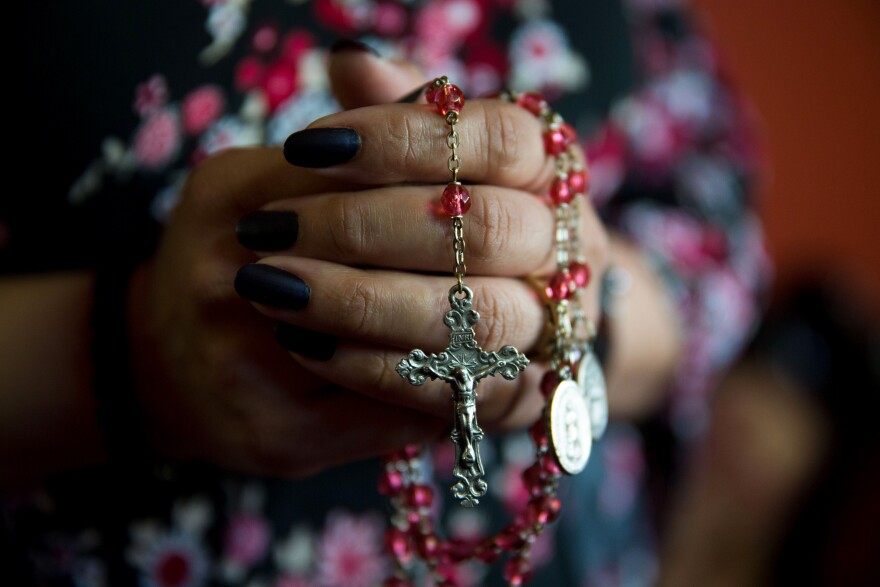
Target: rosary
x: 575, y: 412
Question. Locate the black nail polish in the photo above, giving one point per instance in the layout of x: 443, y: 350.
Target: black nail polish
x: 267, y: 230
x: 352, y: 45
x: 321, y: 147
x: 413, y: 96
x: 269, y: 285
x: 308, y: 343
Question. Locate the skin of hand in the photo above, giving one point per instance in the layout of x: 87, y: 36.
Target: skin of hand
x: 214, y: 384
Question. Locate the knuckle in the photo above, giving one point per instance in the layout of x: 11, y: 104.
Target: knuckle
x: 502, y: 322
x: 497, y: 227
x: 407, y: 142
x: 203, y: 187
x: 348, y: 227
x: 382, y: 373
x: 502, y: 139
x: 361, y: 307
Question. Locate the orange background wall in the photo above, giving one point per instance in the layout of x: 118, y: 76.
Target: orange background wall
x: 812, y: 69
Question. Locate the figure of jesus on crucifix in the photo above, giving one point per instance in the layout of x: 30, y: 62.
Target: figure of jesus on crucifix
x: 463, y: 364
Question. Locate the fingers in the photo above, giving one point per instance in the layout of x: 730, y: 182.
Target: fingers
x: 237, y: 181
x: 501, y: 144
x: 371, y: 370
x: 358, y: 77
x: 507, y: 232
x: 401, y: 310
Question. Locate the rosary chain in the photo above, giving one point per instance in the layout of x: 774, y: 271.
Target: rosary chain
x: 458, y: 245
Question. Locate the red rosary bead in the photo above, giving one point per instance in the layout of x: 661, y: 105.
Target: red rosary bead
x: 419, y: 496
x: 561, y: 287
x: 399, y: 544
x: 543, y: 509
x: 532, y: 101
x: 581, y: 274
x: 518, y: 571
x: 456, y: 200
x: 568, y: 133
x: 560, y: 192
x: 538, y: 434
x: 390, y: 482
x: 511, y: 538
x: 554, y: 142
x: 449, y: 98
x: 579, y: 181
x: 548, y: 383
x: 428, y: 545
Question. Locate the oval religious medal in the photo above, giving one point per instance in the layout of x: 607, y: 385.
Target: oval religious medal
x: 569, y: 427
x: 592, y: 381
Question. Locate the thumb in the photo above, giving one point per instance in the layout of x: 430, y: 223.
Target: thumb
x: 360, y: 77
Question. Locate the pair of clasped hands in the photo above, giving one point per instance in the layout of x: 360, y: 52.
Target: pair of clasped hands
x: 346, y: 258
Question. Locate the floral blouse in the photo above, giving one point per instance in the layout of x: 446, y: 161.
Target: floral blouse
x: 141, y: 91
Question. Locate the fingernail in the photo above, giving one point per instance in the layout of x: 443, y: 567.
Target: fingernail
x: 413, y: 96
x: 321, y: 147
x: 308, y: 343
x: 352, y: 45
x: 267, y: 230
x: 269, y: 285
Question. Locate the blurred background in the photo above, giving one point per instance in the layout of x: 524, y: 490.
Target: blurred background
x: 812, y: 69
x: 785, y: 491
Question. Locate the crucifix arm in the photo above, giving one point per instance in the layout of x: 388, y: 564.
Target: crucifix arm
x: 508, y: 362
x: 417, y: 367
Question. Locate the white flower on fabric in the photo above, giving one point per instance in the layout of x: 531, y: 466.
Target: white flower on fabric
x: 297, y: 113
x: 350, y: 551
x: 226, y: 22
x: 687, y: 95
x: 176, y: 560
x: 541, y: 57
x: 647, y: 126
x: 230, y: 132
x: 294, y: 554
x: 312, y: 70
x: 166, y: 200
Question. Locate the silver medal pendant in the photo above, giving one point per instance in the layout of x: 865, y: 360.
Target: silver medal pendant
x: 569, y: 427
x: 592, y: 382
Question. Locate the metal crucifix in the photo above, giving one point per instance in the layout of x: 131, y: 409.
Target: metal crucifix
x: 462, y: 364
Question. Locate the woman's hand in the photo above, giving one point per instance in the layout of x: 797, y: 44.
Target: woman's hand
x: 369, y: 273
x: 377, y: 262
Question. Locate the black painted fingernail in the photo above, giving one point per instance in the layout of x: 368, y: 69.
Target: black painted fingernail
x: 352, y: 45
x: 269, y: 285
x: 321, y: 147
x: 308, y: 343
x: 413, y: 96
x: 268, y: 230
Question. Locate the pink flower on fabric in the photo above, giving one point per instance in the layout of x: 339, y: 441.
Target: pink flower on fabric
x: 341, y: 16
x: 151, y: 95
x: 247, y: 539
x: 291, y: 581
x: 389, y: 19
x: 158, y: 139
x: 279, y: 84
x: 350, y: 551
x: 249, y: 73
x: 201, y: 108
x: 295, y: 44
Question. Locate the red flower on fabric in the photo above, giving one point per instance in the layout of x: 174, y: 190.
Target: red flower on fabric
x: 151, y: 95
x: 201, y: 108
x: 341, y: 16
x: 279, y: 83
